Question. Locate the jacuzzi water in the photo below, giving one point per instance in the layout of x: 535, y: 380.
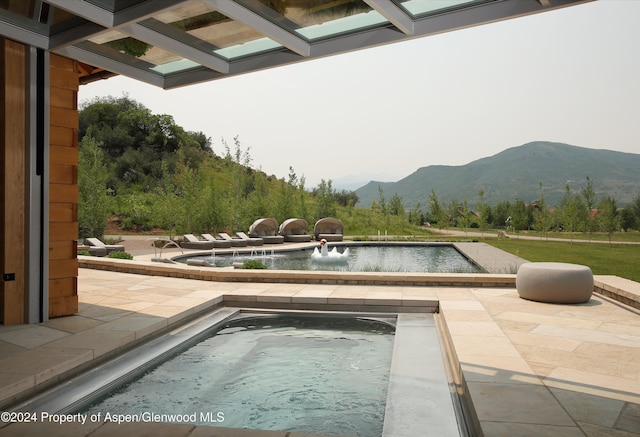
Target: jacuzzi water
x: 305, y: 374
x: 382, y: 258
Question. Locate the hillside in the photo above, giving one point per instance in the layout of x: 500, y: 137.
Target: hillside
x: 516, y: 173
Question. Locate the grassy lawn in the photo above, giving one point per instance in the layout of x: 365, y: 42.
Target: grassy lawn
x: 603, y: 259
x: 594, y: 236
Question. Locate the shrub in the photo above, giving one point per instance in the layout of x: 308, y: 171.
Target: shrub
x: 253, y: 264
x: 120, y: 255
x: 93, y: 202
x: 84, y: 253
x: 112, y: 240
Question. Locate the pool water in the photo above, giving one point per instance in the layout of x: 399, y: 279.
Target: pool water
x: 325, y: 375
x: 381, y: 258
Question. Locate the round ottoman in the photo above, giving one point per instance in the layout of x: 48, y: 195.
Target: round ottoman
x: 554, y: 282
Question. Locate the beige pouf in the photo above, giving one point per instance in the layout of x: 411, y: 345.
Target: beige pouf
x: 554, y: 282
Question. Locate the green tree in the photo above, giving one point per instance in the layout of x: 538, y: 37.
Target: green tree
x: 465, y: 215
x: 542, y: 217
x: 259, y: 203
x: 635, y: 206
x: 436, y: 210
x: 136, y: 142
x: 346, y: 198
x: 589, y: 195
x: 93, y: 199
x: 628, y: 217
x: 484, y: 213
x: 166, y: 205
x: 608, y: 216
x: 396, y: 205
x: 415, y: 215
x: 453, y: 210
x: 303, y: 210
x: 573, y: 212
x: 286, y: 199
x: 501, y: 214
x: 324, y: 200
x: 188, y: 182
x: 382, y: 202
x: 238, y: 163
x: 519, y: 217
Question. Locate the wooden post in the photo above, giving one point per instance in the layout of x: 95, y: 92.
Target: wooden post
x: 13, y: 180
x: 63, y: 187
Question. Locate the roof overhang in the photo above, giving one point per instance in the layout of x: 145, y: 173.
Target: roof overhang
x: 173, y: 43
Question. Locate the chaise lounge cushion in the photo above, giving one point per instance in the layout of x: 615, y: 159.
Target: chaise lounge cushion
x: 96, y: 242
x: 329, y: 228
x: 217, y: 242
x: 330, y: 237
x: 235, y: 242
x: 192, y: 242
x: 252, y: 241
x: 267, y: 229
x: 295, y: 230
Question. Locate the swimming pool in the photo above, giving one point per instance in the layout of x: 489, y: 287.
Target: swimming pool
x: 417, y: 394
x: 416, y: 258
x: 326, y: 375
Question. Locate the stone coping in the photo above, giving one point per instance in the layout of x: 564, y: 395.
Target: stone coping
x: 179, y: 270
x: 615, y: 287
x: 620, y: 289
x: 75, y: 352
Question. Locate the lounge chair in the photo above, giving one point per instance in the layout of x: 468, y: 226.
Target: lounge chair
x: 251, y: 241
x: 192, y: 242
x: 295, y: 230
x: 329, y: 228
x: 235, y: 242
x: 218, y: 243
x: 95, y: 242
x: 267, y: 229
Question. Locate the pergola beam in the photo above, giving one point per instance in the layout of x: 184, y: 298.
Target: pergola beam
x: 235, y: 11
x: 394, y: 14
x: 166, y: 42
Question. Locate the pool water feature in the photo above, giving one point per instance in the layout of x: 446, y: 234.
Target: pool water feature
x: 362, y: 258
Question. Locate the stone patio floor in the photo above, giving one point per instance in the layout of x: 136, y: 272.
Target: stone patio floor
x: 528, y: 368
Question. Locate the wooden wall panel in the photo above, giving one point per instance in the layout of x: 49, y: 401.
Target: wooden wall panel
x: 65, y: 64
x: 64, y: 305
x: 67, y: 155
x: 63, y: 268
x: 63, y: 231
x: 63, y: 187
x: 63, y: 117
x: 66, y: 76
x: 63, y: 174
x: 63, y: 212
x: 62, y: 136
x: 62, y: 98
x: 59, y: 250
x: 63, y: 193
x: 59, y: 287
x: 59, y: 298
x: 13, y: 179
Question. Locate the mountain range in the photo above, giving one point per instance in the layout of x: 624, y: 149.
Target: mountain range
x: 516, y: 173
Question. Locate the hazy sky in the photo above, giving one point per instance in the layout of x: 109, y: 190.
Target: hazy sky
x: 570, y: 75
